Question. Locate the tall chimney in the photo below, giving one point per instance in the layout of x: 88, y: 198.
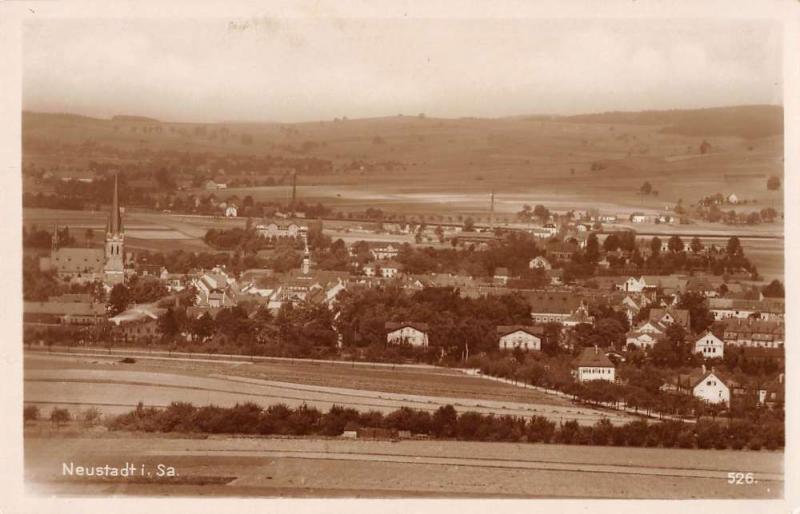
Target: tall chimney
x: 491, y: 213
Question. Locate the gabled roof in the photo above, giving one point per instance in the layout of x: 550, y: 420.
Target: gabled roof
x: 692, y: 379
x: 767, y: 305
x: 681, y: 316
x: 722, y: 377
x: 709, y: 333
x: 751, y: 326
x: 701, y: 284
x: 504, y: 330
x: 593, y: 357
x: 553, y: 302
x: 69, y: 308
x: 391, y: 326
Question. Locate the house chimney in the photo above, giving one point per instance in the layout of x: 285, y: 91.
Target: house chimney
x: 704, y: 369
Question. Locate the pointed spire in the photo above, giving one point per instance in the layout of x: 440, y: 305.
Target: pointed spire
x: 116, y: 217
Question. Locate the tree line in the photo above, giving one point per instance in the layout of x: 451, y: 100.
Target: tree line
x: 446, y: 423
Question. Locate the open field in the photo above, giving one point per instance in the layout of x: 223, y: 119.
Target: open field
x: 232, y: 466
x: 763, y: 244
x: 535, y: 160
x: 80, y: 381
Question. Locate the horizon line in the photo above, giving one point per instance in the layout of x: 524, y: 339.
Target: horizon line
x: 149, y: 118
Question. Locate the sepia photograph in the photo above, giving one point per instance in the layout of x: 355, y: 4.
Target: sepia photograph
x: 401, y: 257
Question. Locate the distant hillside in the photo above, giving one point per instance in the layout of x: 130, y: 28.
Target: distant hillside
x: 125, y: 117
x: 749, y: 121
x: 34, y: 117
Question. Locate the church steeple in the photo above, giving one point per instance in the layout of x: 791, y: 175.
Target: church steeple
x: 115, y: 225
x: 115, y: 242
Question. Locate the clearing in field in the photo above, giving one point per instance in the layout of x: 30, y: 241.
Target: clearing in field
x: 82, y: 381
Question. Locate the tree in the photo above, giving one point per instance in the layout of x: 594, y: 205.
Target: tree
x: 655, y: 245
x: 646, y: 188
x: 30, y: 413
x: 734, y: 246
x: 675, y: 244
x: 768, y: 214
x: 774, y: 289
x: 167, y: 324
x: 60, y: 416
x: 118, y: 299
x: 700, y: 317
x: 541, y: 212
x: 469, y: 224
x: 696, y: 245
x: 773, y: 183
x: 592, y: 248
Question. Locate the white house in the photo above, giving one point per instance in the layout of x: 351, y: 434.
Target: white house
x: 370, y: 269
x: 669, y: 316
x: 389, y: 268
x: 710, y: 346
x: 385, y: 252
x: 276, y: 229
x: 732, y: 198
x: 641, y: 340
x: 231, y: 211
x: 501, y: 276
x: 415, y: 334
x: 550, y: 228
x: 519, y: 336
x: 634, y: 285
x: 593, y: 364
x: 638, y: 217
x: 651, y: 327
x: 711, y: 388
x: 540, y: 263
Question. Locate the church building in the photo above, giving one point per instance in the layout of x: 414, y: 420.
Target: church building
x: 90, y: 264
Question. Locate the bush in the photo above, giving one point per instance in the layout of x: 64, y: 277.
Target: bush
x: 601, y: 432
x: 540, y: 430
x: 60, y: 416
x: 755, y: 443
x: 30, y: 413
x: 250, y: 418
x: 91, y: 416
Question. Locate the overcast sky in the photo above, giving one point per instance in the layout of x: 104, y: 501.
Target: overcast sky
x: 301, y: 70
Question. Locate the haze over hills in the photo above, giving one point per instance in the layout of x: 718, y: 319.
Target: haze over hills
x: 601, y: 157
x: 748, y: 121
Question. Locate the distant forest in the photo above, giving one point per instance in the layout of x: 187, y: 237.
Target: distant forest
x: 749, y: 121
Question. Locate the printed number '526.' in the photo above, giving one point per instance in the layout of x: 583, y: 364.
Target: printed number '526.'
x: 741, y: 478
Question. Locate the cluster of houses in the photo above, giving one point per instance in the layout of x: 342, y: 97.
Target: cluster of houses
x: 743, y: 317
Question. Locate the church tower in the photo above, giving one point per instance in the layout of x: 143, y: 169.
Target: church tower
x: 114, y: 272
x: 306, y: 268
